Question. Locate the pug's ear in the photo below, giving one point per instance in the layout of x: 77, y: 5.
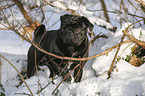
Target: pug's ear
x: 88, y: 23
x: 63, y: 18
x: 39, y: 30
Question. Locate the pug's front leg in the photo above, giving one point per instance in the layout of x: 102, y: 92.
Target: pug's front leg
x: 78, y: 71
x: 65, y: 74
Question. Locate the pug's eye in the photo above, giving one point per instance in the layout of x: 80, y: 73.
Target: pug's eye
x: 75, y: 27
x: 81, y: 34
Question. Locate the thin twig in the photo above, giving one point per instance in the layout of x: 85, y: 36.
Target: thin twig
x: 113, y: 62
x: 18, y: 73
x: 5, y: 7
x: 44, y: 87
x: 23, y: 11
x: 140, y: 1
x: 116, y: 54
x: 119, y: 12
x: 105, y: 10
x: 97, y: 37
x: 37, y: 70
x: 138, y: 42
x: 65, y: 78
x: 22, y: 94
x: 67, y: 9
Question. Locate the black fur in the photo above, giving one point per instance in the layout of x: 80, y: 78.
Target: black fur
x: 70, y: 40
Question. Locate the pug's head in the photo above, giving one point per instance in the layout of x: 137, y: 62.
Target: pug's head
x: 74, y: 29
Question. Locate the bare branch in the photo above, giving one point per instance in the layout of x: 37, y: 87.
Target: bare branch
x: 113, y: 62
x: 97, y: 37
x: 141, y: 2
x: 118, y: 11
x: 105, y: 10
x: 25, y: 14
x: 67, y: 9
x: 65, y: 78
x: 5, y: 7
x: 138, y: 42
x: 18, y: 73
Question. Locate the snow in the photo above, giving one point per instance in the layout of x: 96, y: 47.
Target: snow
x: 126, y: 79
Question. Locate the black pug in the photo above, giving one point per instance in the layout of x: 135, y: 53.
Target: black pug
x: 68, y: 41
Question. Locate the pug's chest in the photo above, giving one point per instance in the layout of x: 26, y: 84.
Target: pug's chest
x: 73, y: 51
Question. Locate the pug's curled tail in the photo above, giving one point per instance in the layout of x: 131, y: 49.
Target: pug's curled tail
x: 39, y: 30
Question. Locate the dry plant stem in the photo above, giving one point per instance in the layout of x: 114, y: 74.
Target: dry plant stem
x: 125, y: 31
x: 44, y: 87
x: 18, y: 73
x: 132, y: 4
x: 120, y: 12
x: 74, y: 59
x: 132, y: 15
x: 52, y: 80
x: 105, y: 11
x: 5, y: 7
x: 140, y: 1
x: 138, y: 42
x: 22, y: 94
x: 97, y: 37
x: 65, y: 78
x: 113, y: 62
x: 67, y: 9
x: 25, y: 14
x: 114, y: 59
x: 37, y: 70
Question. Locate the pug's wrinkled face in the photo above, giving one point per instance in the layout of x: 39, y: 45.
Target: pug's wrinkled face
x: 74, y: 29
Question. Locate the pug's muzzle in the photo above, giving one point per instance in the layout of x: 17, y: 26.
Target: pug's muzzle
x: 74, y: 34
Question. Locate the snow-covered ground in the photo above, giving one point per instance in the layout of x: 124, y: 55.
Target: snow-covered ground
x: 126, y: 79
